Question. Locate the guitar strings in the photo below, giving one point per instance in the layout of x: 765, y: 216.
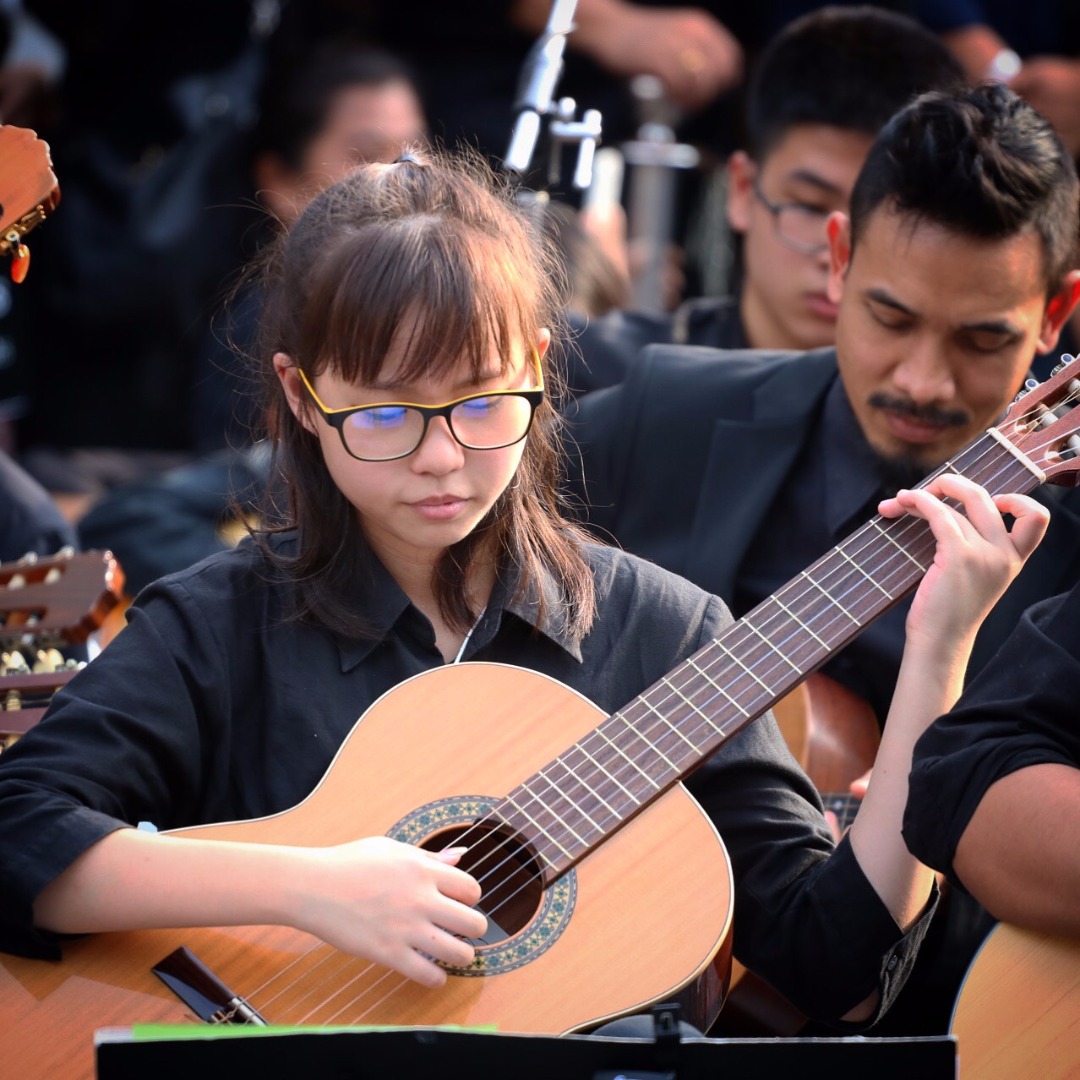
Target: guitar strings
x: 909, y: 525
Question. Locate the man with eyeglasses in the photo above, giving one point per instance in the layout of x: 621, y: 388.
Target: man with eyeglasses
x: 739, y: 468
x: 818, y: 94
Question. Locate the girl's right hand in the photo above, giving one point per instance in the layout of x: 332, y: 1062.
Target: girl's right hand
x: 390, y: 902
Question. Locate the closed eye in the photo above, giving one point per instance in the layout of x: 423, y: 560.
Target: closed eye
x: 382, y: 416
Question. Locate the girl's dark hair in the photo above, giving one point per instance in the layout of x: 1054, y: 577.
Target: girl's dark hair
x: 433, y: 254
x: 978, y: 161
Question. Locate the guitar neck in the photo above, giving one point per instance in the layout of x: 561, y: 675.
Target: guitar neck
x: 661, y: 736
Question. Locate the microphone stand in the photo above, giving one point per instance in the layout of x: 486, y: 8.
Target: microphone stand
x: 534, y: 104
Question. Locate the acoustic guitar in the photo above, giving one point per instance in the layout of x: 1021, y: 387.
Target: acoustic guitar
x: 606, y: 886
x: 1017, y: 1016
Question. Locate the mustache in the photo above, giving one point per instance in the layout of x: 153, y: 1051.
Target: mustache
x: 926, y: 414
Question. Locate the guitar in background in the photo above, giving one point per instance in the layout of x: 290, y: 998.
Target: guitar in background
x: 46, y: 604
x: 1017, y: 1015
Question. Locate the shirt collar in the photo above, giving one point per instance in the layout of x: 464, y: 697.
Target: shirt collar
x: 852, y: 473
x: 541, y: 606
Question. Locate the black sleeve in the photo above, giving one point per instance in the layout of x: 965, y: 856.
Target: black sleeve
x: 1019, y: 711
x: 806, y: 918
x: 114, y: 750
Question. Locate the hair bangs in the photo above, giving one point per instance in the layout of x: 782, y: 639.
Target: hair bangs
x: 428, y: 290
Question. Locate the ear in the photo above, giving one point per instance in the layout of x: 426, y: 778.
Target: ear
x: 838, y: 230
x: 543, y: 340
x: 295, y: 394
x: 1058, y: 309
x: 278, y: 187
x: 741, y: 171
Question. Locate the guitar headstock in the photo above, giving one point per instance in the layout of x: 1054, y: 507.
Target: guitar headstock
x: 60, y: 600
x: 1043, y: 423
x: 46, y: 602
x: 28, y: 192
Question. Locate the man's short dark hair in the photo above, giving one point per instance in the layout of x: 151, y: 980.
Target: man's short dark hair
x: 300, y: 88
x: 848, y: 67
x: 979, y: 161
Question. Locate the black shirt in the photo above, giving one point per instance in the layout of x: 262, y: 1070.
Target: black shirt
x: 834, y: 488
x: 213, y: 705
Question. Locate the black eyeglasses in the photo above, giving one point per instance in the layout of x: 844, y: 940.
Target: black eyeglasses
x: 799, y: 227
x: 390, y: 430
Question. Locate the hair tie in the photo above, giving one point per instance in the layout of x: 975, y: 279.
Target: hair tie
x: 408, y: 157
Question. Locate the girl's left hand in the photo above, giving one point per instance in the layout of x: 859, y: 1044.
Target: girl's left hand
x: 977, y: 556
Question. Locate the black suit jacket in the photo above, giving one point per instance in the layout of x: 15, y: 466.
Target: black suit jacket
x: 682, y: 462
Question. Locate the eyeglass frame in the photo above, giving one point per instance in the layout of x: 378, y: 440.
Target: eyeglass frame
x: 776, y: 209
x: 336, y: 417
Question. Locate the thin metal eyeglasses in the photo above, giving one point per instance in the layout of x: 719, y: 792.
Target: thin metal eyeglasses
x: 388, y: 430
x: 799, y: 227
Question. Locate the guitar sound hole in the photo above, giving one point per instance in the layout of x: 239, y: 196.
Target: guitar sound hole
x: 507, y: 871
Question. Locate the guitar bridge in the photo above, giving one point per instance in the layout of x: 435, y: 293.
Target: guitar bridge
x: 203, y: 992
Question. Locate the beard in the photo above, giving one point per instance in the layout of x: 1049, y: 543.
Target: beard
x: 906, y: 470
x: 903, y: 471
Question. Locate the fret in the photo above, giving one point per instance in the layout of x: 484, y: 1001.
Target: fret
x: 671, y: 728
x: 899, y: 547
x: 600, y: 768
x: 593, y: 794
x: 600, y: 731
x: 773, y: 648
x: 561, y: 818
x: 802, y: 626
x: 833, y: 601
x: 718, y: 688
x: 732, y: 657
x: 536, y: 825
x: 686, y: 701
x: 844, y: 555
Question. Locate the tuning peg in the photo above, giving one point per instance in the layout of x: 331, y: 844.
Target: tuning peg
x: 1029, y: 385
x: 1066, y: 360
x: 20, y: 256
x: 20, y: 263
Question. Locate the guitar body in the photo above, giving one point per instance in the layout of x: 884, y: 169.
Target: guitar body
x: 1018, y: 1011
x: 642, y: 917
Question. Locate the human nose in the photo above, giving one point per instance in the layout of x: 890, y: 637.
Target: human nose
x: 439, y: 451
x: 924, y: 374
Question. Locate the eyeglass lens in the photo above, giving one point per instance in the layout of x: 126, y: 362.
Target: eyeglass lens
x: 479, y: 423
x: 802, y: 226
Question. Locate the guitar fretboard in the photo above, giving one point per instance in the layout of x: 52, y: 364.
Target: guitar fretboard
x: 594, y: 787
